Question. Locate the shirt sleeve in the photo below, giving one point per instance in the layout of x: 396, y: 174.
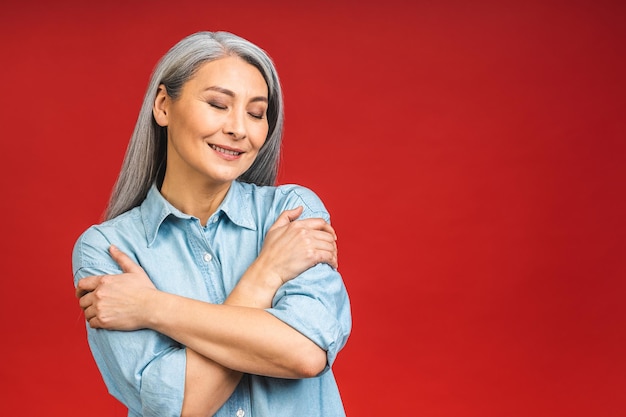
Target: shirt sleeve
x: 316, y: 302
x: 143, y: 369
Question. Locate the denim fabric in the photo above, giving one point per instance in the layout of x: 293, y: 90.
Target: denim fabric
x: 144, y: 369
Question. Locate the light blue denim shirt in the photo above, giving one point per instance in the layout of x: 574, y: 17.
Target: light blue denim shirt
x: 144, y: 369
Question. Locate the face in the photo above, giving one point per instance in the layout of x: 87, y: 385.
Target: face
x: 218, y: 123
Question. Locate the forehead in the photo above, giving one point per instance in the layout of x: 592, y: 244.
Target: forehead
x: 232, y: 73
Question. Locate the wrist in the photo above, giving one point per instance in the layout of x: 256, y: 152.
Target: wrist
x: 262, y: 276
x: 256, y: 288
x: 155, y: 308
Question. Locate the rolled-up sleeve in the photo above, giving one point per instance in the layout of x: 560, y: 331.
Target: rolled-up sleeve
x: 316, y: 302
x: 143, y: 369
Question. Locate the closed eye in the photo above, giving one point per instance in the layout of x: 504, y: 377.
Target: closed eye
x: 217, y: 105
x: 257, y: 115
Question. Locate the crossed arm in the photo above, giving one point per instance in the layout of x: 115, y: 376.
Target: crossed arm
x: 222, y: 341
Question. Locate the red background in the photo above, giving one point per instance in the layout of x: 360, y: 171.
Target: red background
x: 471, y: 155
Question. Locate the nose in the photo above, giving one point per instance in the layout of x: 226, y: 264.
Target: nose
x: 234, y: 124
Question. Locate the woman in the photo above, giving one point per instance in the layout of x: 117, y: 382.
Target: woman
x: 202, y: 292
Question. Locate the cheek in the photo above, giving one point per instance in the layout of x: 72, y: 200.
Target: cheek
x: 259, y: 135
x: 196, y: 120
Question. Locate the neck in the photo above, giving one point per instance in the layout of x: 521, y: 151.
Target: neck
x: 198, y: 200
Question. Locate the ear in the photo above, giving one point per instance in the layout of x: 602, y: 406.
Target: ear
x: 161, y: 106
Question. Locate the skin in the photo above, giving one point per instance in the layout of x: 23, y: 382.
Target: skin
x: 215, y: 130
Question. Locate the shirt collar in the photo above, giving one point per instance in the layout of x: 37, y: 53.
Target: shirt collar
x: 236, y: 205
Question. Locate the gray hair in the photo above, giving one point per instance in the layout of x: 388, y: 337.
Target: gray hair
x: 144, y: 162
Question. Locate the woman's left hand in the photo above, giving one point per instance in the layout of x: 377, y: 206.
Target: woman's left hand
x: 116, y: 302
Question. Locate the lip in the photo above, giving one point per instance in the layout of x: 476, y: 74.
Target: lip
x: 226, y: 152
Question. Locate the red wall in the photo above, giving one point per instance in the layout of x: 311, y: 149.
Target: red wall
x: 471, y: 155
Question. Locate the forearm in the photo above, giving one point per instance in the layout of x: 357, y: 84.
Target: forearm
x: 208, y: 384
x: 240, y: 338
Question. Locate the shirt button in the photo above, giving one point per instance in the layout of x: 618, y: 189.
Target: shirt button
x: 207, y: 257
x: 240, y: 413
x: 214, y: 220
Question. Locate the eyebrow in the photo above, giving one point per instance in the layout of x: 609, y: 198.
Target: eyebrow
x: 232, y: 94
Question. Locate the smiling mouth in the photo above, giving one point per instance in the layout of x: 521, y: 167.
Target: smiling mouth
x: 225, y: 151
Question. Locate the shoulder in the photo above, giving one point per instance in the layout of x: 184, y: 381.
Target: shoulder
x: 300, y: 195
x: 276, y: 199
x: 266, y: 203
x: 92, y: 246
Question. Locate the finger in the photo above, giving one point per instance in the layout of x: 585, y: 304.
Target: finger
x: 320, y: 247
x: 328, y: 247
x: 85, y: 302
x: 324, y: 235
x: 87, y: 284
x: 287, y: 217
x: 91, y: 316
x: 329, y: 250
x: 327, y: 256
x: 94, y: 323
x: 329, y: 229
x: 80, y: 292
x: 333, y: 261
x: 316, y: 223
x: 123, y: 260
x: 293, y: 214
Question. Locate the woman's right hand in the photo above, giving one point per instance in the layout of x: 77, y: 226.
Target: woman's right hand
x: 116, y: 302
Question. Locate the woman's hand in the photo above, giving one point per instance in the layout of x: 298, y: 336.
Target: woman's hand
x: 292, y: 246
x: 120, y: 302
x: 116, y: 302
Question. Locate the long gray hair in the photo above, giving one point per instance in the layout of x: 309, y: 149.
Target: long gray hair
x: 144, y: 162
